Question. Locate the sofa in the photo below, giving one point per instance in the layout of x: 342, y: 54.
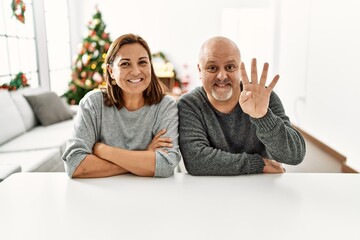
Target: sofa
x: 35, y: 125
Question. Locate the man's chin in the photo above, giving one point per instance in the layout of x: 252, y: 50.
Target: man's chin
x: 222, y: 96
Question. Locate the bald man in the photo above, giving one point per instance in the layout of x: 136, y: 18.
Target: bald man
x: 234, y: 125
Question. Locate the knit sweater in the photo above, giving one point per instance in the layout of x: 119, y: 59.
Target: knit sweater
x: 215, y: 143
x: 131, y: 130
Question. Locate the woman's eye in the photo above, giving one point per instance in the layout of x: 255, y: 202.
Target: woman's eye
x: 143, y: 62
x: 124, y: 64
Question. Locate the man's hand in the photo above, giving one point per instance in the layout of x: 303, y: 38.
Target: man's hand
x: 272, y: 166
x: 255, y: 97
x: 158, y: 142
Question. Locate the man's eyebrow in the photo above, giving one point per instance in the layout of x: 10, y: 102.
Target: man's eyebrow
x: 211, y: 62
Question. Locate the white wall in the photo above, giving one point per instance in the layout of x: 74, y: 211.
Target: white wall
x: 316, y: 51
x: 319, y: 62
x: 177, y: 28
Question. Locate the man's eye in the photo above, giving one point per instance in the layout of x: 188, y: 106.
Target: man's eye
x: 212, y: 68
x: 230, y: 68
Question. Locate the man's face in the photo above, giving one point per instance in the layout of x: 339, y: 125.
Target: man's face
x: 219, y: 69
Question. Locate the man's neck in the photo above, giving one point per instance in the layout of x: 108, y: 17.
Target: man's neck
x: 227, y: 106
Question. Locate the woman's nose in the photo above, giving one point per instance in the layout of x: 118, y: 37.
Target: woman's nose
x: 135, y: 70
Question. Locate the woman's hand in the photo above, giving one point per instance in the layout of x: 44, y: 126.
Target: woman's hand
x: 101, y: 150
x: 272, y: 166
x: 160, y: 143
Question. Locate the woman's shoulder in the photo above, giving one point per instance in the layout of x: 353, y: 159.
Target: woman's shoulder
x: 93, y: 97
x: 168, y: 99
x: 167, y: 103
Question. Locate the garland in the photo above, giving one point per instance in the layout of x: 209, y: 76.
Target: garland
x: 18, y: 7
x: 20, y: 81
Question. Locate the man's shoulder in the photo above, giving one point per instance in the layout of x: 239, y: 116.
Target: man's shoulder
x: 196, y: 95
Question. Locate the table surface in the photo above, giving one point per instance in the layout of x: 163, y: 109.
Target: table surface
x: 264, y: 206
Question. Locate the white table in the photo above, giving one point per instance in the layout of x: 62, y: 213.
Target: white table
x: 289, y: 206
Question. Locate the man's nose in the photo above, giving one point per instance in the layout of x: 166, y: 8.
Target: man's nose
x: 221, y: 75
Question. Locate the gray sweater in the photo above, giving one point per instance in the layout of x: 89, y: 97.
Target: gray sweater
x: 132, y: 130
x: 214, y: 143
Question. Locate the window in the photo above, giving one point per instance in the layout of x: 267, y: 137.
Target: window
x: 43, y: 55
x: 58, y: 44
x: 17, y: 45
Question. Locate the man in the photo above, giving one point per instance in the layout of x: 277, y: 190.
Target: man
x: 232, y: 125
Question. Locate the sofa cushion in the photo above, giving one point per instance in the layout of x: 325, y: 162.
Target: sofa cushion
x: 48, y: 160
x: 10, y: 119
x: 41, y: 137
x: 26, y: 112
x: 49, y: 108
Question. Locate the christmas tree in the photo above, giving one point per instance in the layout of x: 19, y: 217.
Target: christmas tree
x: 88, y: 67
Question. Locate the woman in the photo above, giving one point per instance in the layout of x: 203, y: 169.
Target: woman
x: 132, y: 127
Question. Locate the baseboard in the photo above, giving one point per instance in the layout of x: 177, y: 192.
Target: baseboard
x: 346, y: 169
x: 332, y: 152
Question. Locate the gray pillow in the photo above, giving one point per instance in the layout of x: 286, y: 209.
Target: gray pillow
x: 49, y: 108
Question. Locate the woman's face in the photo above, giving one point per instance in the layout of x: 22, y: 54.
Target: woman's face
x: 131, y: 69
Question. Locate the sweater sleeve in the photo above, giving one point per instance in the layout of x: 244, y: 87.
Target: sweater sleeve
x: 200, y: 155
x: 167, y: 118
x: 85, y: 132
x: 284, y: 143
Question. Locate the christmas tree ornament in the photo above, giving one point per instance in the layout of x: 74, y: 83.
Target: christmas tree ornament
x: 88, y: 82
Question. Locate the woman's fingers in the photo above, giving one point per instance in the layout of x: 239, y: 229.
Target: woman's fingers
x: 161, y: 132
x: 163, y: 142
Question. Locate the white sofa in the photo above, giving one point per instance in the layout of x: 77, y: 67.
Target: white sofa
x: 25, y: 144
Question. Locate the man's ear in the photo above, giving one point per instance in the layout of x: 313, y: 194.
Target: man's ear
x: 198, y: 66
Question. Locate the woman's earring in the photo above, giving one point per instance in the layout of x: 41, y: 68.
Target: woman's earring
x: 113, y: 82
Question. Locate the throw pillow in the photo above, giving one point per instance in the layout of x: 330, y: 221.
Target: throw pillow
x: 49, y: 108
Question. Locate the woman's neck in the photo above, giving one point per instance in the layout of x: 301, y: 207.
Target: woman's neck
x: 134, y: 102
